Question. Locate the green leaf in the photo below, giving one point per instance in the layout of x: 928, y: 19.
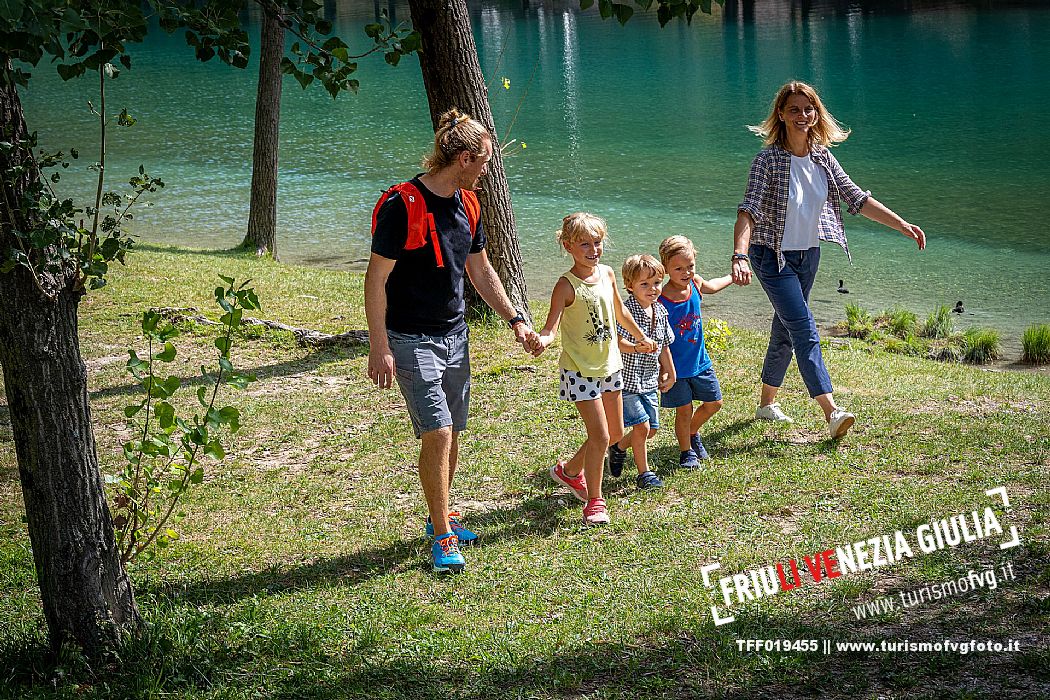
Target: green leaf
x: 374, y: 30
x: 214, y: 449
x: 150, y: 319
x: 167, y: 355
x: 223, y: 344
x: 622, y: 12
x: 197, y: 476
x: 225, y: 364
x: 392, y: 57
x: 411, y: 42
x: 202, y: 392
x: 586, y: 4
x: 171, y: 385
x: 11, y: 10
x: 130, y: 411
x: 227, y: 280
x: 304, y: 78
x: 165, y: 414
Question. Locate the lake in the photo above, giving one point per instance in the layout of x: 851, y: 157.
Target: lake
x: 641, y: 125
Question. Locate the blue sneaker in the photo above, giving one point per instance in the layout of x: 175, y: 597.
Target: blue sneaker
x: 616, y: 459
x: 648, y: 480
x: 698, y: 447
x: 466, y: 537
x: 447, y: 557
x: 688, y: 460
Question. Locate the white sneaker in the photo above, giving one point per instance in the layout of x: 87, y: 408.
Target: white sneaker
x: 772, y: 412
x: 840, y: 423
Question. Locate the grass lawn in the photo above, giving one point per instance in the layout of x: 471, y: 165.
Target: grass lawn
x: 303, y: 570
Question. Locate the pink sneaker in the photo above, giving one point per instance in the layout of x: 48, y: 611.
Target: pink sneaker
x: 577, y: 484
x: 595, y: 513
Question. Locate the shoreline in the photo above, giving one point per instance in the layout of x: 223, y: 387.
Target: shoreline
x: 757, y: 316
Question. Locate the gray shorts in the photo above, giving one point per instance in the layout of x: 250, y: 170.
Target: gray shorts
x: 433, y: 373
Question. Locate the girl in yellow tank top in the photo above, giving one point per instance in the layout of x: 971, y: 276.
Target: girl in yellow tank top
x: 587, y: 300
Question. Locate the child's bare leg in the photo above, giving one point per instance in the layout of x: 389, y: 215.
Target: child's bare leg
x: 703, y: 412
x: 639, y: 434
x: 590, y: 458
x: 682, y: 417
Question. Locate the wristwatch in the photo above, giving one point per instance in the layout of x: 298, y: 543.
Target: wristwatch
x: 741, y: 256
x: 516, y: 320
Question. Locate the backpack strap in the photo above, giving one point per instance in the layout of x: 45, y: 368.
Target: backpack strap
x: 420, y: 221
x: 472, y: 207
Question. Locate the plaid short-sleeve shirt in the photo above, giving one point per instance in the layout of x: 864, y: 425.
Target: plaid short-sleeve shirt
x: 641, y: 371
x: 766, y: 198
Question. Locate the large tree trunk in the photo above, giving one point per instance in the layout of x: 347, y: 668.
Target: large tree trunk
x: 86, y: 593
x: 452, y: 77
x: 262, y: 212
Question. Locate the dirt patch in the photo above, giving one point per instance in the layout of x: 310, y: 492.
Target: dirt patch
x: 977, y: 406
x: 296, y: 383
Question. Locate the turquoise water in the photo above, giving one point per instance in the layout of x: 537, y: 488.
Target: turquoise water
x: 644, y: 126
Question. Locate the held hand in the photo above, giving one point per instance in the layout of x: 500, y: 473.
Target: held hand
x: 542, y: 341
x: 381, y: 368
x: 667, y: 380
x: 532, y: 342
x: 741, y: 272
x: 645, y: 345
x: 915, y: 233
x: 522, y: 334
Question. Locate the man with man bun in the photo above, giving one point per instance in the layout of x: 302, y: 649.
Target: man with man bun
x: 426, y: 235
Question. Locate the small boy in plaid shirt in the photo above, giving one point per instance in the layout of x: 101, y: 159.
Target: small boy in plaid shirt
x: 644, y: 373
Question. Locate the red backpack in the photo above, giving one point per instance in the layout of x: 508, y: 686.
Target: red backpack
x: 421, y: 222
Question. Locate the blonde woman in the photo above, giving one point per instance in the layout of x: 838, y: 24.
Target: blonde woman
x: 792, y: 202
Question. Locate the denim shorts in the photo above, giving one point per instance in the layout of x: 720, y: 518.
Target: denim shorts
x: 702, y: 387
x: 433, y: 373
x: 640, y: 408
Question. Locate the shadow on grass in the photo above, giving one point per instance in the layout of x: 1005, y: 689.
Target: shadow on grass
x: 536, y: 517
x: 187, y: 650
x: 310, y: 363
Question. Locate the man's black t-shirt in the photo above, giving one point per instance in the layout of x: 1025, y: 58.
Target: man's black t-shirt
x: 422, y: 297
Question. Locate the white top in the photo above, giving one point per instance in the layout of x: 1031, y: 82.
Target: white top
x: 806, y: 198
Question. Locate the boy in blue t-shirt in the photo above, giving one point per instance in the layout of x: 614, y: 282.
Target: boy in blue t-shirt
x: 696, y: 380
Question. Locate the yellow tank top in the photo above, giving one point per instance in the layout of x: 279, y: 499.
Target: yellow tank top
x: 588, y: 328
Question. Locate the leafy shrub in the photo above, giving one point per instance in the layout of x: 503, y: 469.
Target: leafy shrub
x: 716, y: 335
x: 948, y: 349
x: 939, y: 324
x: 859, y: 323
x: 1035, y: 344
x: 981, y: 345
x: 910, y: 345
x: 899, y: 322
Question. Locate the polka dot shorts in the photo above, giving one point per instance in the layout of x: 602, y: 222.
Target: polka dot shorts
x: 576, y: 387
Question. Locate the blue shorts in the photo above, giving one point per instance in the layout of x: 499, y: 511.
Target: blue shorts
x: 702, y: 387
x: 641, y: 408
x: 433, y: 373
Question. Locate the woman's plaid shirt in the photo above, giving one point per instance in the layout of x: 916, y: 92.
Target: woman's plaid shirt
x: 766, y: 198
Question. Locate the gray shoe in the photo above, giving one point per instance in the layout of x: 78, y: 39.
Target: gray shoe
x: 773, y: 413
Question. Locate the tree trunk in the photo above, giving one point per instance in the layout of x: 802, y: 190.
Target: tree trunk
x: 85, y: 590
x: 452, y: 77
x: 262, y: 212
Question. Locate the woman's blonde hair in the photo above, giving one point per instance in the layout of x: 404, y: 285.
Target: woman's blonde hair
x: 825, y: 132
x: 675, y: 245
x: 639, y: 267
x: 456, y: 132
x: 581, y: 226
